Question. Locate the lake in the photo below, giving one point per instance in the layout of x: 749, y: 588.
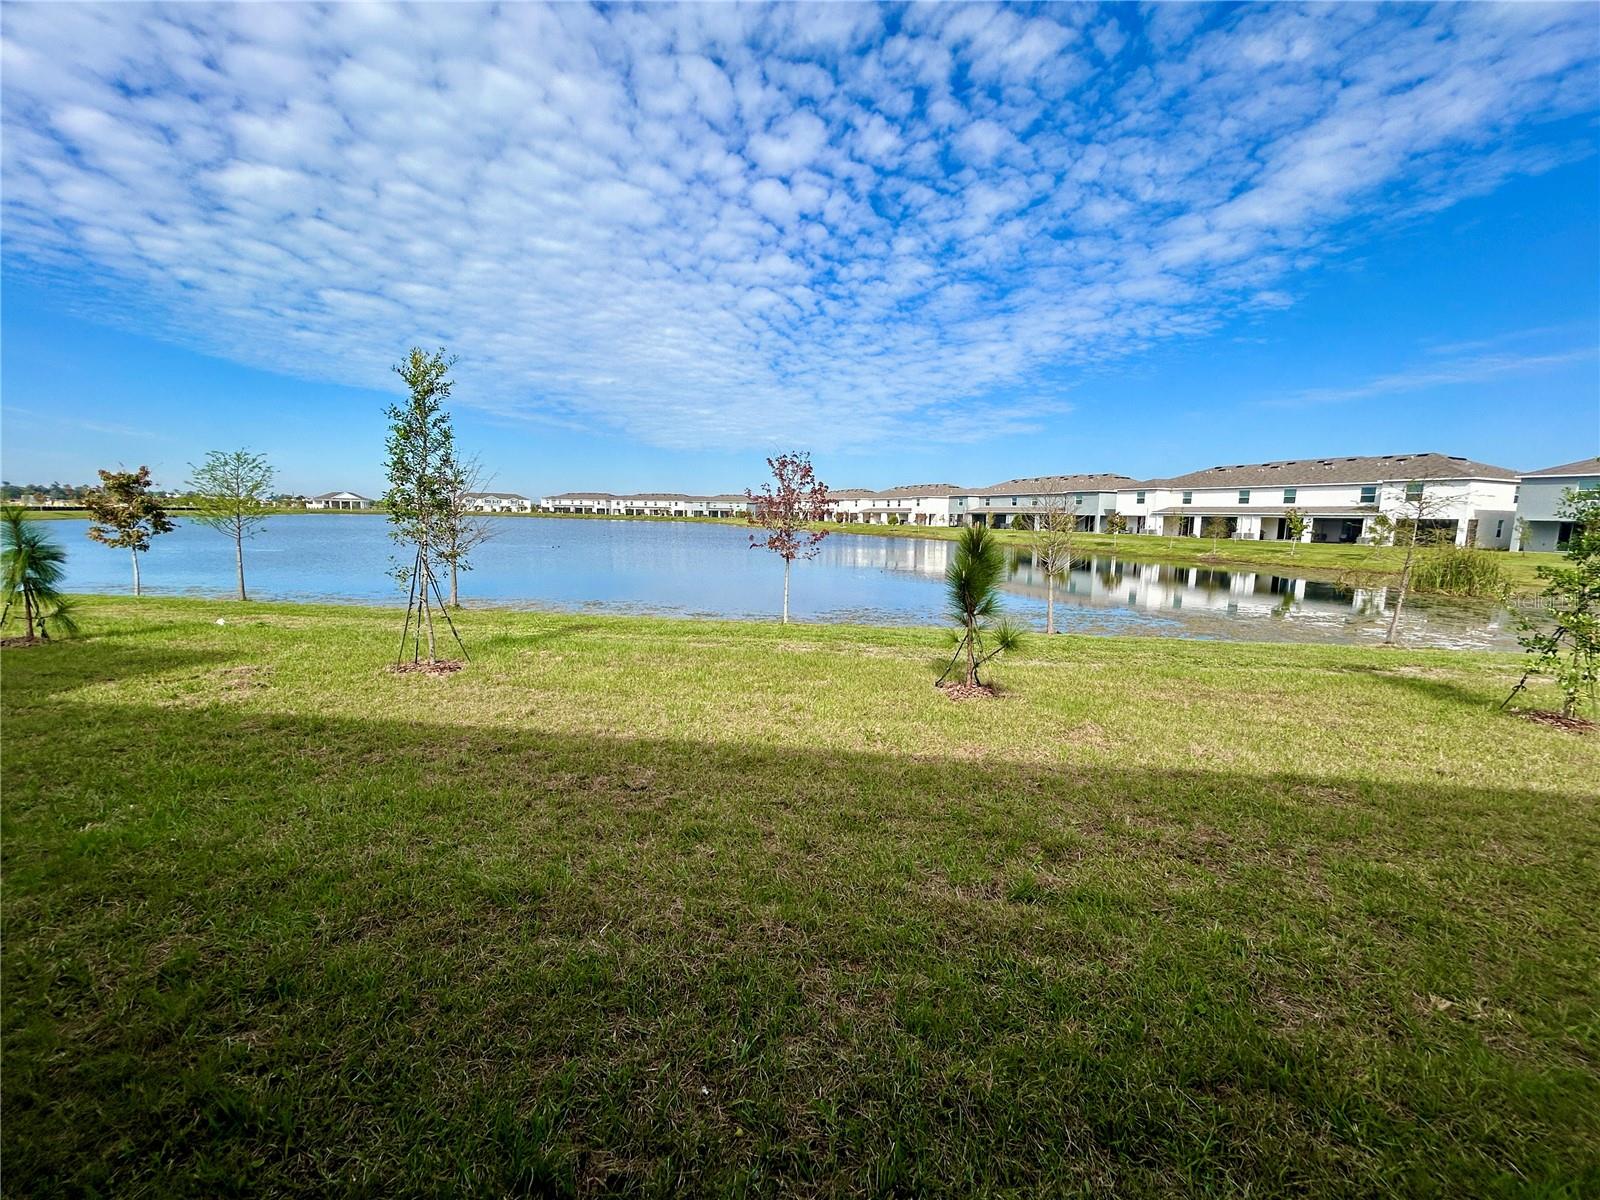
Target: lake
x: 704, y: 570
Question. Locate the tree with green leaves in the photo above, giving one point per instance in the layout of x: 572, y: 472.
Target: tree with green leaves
x: 422, y: 471
x: 972, y: 600
x: 1116, y: 525
x: 32, y: 565
x: 1295, y: 524
x: 231, y: 491
x: 127, y: 514
x: 1566, y: 643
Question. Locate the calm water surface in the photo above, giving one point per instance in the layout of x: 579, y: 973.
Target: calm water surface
x: 686, y: 569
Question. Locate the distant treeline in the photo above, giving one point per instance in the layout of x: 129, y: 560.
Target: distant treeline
x: 50, y: 491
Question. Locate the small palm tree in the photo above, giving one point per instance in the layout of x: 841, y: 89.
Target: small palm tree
x: 31, y: 567
x: 972, y: 585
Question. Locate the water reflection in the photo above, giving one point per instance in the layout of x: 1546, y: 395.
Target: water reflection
x: 710, y: 570
x: 1313, y: 606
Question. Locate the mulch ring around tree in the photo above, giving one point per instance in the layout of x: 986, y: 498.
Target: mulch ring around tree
x: 442, y: 666
x: 961, y: 691
x: 1543, y: 716
x: 11, y: 642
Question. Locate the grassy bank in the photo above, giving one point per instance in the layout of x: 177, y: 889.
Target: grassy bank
x: 670, y: 908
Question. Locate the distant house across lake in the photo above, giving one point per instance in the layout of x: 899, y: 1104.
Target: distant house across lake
x: 498, y: 502
x: 339, y: 500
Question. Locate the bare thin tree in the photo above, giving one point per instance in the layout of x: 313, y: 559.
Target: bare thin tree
x: 1052, y: 548
x: 463, y: 527
x: 1416, y: 524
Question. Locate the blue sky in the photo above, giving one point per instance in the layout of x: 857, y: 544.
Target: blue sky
x: 927, y: 243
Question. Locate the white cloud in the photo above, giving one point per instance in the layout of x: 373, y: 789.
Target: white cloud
x: 735, y: 226
x: 1470, y: 369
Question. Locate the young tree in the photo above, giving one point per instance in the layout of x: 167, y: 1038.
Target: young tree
x: 1569, y: 648
x: 422, y: 470
x: 972, y: 599
x: 1411, y: 530
x: 1214, y: 528
x: 1295, y: 523
x: 465, y: 527
x: 31, y: 569
x: 1052, y: 549
x: 232, y: 494
x: 1116, y: 525
x: 126, y: 514
x: 785, y: 507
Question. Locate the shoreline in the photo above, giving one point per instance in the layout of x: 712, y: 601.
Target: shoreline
x: 1345, y: 565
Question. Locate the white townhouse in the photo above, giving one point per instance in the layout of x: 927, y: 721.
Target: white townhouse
x: 1091, y: 498
x: 1473, y: 502
x: 497, y: 502
x: 1539, y: 526
x: 579, y: 502
x: 850, y: 504
x: 647, y: 504
x: 343, y: 501
x: 916, y: 504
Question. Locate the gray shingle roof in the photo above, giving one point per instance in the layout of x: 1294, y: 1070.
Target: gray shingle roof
x: 1584, y: 466
x: 923, y: 489
x: 1352, y: 469
x: 1054, y: 485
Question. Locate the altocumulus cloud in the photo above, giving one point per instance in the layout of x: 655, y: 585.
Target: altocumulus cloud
x: 733, y: 226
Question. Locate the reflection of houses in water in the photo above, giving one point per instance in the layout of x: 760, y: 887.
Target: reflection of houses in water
x: 1102, y: 583
x: 914, y: 556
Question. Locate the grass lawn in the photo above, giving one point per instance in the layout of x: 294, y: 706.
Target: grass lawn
x: 680, y: 908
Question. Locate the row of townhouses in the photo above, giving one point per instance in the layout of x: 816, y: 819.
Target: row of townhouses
x: 489, y: 502
x: 1475, y: 503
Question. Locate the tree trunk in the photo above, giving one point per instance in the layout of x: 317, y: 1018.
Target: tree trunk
x: 136, y: 590
x: 238, y: 561
x: 455, y: 591
x: 1389, y: 638
x: 427, y: 612
x: 1049, y: 603
x: 27, y: 611
x: 972, y: 656
x: 786, y: 591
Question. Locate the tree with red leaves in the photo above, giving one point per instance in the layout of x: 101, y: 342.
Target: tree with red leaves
x: 786, y: 508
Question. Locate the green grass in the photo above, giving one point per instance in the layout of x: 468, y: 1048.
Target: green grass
x: 676, y: 908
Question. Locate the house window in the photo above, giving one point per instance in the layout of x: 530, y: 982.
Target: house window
x: 1188, y: 497
x: 1244, y: 495
x: 1078, y: 499
x: 1289, y: 494
x: 1499, y: 527
x: 1369, y: 494
x: 1138, y: 497
x: 1414, y: 490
